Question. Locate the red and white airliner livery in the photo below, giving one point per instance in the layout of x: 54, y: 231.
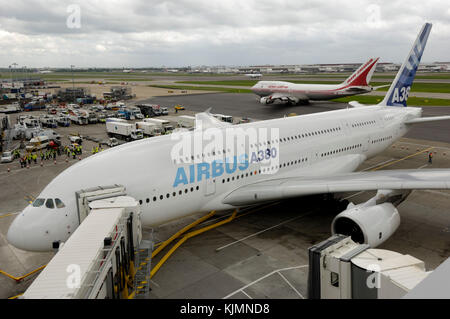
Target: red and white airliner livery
x: 291, y: 93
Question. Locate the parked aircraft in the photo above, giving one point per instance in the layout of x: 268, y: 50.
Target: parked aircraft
x: 292, y: 93
x: 288, y: 157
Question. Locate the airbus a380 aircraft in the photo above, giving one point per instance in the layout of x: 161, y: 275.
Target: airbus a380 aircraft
x: 291, y: 93
x: 308, y: 154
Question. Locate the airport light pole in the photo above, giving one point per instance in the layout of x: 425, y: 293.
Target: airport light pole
x: 73, y: 83
x: 12, y: 79
x: 25, y: 81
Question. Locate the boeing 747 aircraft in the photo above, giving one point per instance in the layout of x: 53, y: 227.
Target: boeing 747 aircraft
x: 280, y: 158
x: 291, y: 93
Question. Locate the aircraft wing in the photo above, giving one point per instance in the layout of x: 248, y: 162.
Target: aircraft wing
x: 284, y: 188
x: 205, y: 120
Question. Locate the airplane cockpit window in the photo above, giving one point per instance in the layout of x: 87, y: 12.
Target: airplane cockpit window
x: 38, y: 202
x: 49, y: 203
x: 59, y: 203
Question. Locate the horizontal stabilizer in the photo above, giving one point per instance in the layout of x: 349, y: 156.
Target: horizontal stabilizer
x: 374, y: 88
x: 355, y: 104
x: 428, y: 119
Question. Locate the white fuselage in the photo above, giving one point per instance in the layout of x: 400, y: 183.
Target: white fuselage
x: 317, y: 144
x: 307, y: 91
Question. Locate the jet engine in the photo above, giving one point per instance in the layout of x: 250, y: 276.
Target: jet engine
x: 372, y: 222
x: 292, y: 101
x: 266, y: 100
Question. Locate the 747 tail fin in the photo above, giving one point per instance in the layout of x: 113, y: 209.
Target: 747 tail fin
x: 400, y: 87
x: 362, y: 76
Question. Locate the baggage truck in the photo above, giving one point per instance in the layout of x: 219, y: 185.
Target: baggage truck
x: 186, y: 121
x: 127, y: 131
x: 149, y: 129
x: 163, y: 124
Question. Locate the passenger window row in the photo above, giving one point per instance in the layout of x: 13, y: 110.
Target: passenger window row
x: 174, y: 194
x: 363, y: 123
x: 263, y: 170
x: 264, y: 143
x: 340, y: 150
x: 308, y: 134
x: 382, y: 139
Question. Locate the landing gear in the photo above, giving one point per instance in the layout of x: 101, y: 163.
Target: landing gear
x: 302, y: 102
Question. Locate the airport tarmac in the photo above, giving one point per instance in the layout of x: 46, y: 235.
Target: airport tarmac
x: 247, y: 105
x: 262, y: 254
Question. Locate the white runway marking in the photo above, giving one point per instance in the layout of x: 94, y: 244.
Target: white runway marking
x: 290, y: 285
x: 261, y: 278
x: 262, y: 231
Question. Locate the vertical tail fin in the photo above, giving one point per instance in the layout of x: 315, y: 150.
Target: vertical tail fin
x: 397, y: 94
x: 362, y: 76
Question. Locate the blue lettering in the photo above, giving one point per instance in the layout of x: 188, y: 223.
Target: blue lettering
x: 254, y: 158
x: 217, y: 168
x: 243, y: 159
x: 192, y: 173
x: 274, y: 152
x: 231, y: 170
x: 261, y: 155
x: 181, y: 177
x: 202, y: 169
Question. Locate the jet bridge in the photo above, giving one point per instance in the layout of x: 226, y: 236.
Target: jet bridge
x: 86, y: 196
x: 339, y: 268
x: 104, y: 258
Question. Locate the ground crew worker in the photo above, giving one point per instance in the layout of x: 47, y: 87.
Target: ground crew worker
x: 35, y: 158
x: 21, y: 162
x: 54, y: 154
x: 430, y: 157
x: 73, y: 154
x: 42, y: 156
x: 93, y: 149
x: 29, y: 158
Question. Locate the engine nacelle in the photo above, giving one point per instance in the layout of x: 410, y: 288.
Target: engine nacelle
x: 369, y: 225
x: 293, y: 100
x: 266, y: 100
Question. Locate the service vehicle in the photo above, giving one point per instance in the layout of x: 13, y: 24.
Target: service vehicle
x: 7, y: 157
x: 127, y: 131
x: 149, y: 129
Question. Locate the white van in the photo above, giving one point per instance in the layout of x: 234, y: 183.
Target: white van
x: 37, y: 143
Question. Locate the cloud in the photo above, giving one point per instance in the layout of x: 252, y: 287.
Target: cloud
x: 137, y: 33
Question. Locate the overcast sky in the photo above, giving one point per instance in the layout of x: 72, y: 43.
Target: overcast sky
x: 152, y: 33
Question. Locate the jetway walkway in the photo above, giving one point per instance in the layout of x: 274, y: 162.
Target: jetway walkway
x: 105, y: 257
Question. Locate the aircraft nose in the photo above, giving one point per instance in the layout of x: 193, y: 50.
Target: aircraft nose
x: 23, y: 235
x: 15, y: 235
